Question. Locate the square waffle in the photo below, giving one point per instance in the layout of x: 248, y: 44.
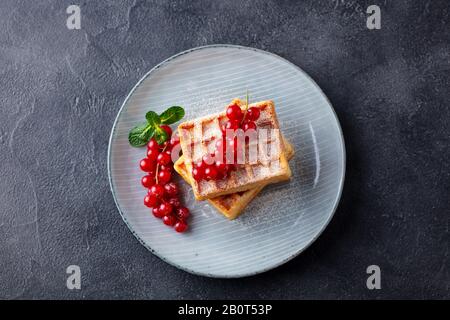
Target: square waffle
x: 197, y: 138
x: 230, y: 205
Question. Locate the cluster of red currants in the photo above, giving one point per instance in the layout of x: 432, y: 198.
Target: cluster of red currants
x: 217, y: 166
x: 163, y: 194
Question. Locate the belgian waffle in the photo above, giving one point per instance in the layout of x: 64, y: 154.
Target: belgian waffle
x: 230, y: 205
x: 197, y: 138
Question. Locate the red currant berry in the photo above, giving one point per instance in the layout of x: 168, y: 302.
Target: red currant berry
x: 219, y: 155
x: 181, y: 226
x: 157, y: 190
x: 147, y: 165
x: 152, y: 144
x: 171, y: 189
x: 253, y: 114
x: 220, y: 144
x: 167, y: 129
x: 152, y: 154
x: 151, y: 201
x: 249, y: 126
x: 232, y: 125
x: 163, y: 158
x: 211, y: 173
x: 200, y: 165
x: 208, y: 159
x: 197, y: 174
x: 164, y: 176
x: 221, y: 167
x: 173, y: 155
x: 169, y: 220
x: 165, y: 208
x: 175, y: 202
x: 183, y: 213
x: 156, y: 213
x: 164, y: 145
x: 165, y: 167
x: 147, y: 181
x: 174, y: 140
x: 234, y: 112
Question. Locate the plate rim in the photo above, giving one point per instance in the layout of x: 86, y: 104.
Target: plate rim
x: 244, y: 274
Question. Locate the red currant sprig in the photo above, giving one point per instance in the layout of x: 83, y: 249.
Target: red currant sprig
x: 212, y: 170
x: 163, y: 194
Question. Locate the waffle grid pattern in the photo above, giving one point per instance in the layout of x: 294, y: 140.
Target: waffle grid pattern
x: 230, y: 205
x: 197, y: 138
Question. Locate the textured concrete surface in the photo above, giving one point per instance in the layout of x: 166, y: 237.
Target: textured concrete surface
x: 61, y: 89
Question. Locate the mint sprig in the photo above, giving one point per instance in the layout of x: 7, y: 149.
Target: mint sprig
x: 141, y: 134
x: 172, y: 115
x: 153, y: 118
x: 160, y: 135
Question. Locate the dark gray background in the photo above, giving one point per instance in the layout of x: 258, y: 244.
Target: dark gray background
x: 61, y: 90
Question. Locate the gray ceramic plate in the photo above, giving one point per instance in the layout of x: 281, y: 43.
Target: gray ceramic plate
x: 282, y: 220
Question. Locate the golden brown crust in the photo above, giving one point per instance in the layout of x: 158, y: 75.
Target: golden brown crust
x: 202, y: 132
x: 230, y: 205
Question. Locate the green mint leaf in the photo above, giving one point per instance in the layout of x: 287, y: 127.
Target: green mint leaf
x: 140, y: 135
x: 172, y: 115
x: 160, y: 135
x: 153, y: 118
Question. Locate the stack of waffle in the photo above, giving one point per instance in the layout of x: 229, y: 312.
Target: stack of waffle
x: 232, y: 194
